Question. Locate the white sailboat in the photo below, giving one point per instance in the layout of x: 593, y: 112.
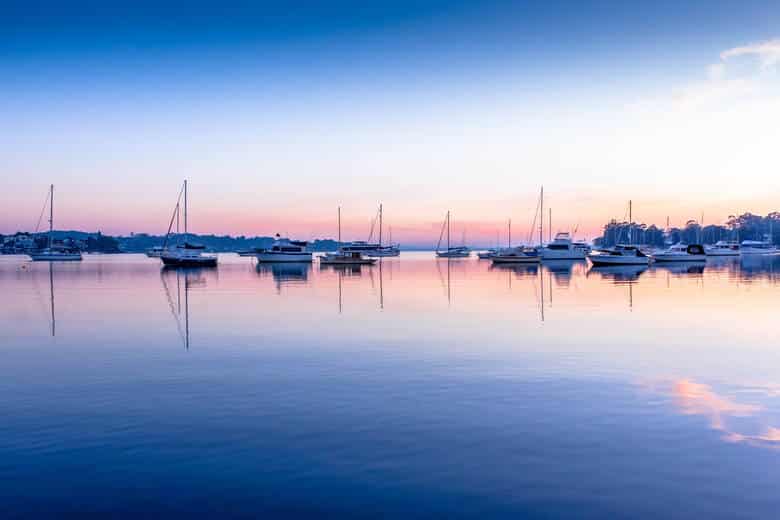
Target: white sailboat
x: 346, y: 255
x: 53, y: 253
x: 451, y: 252
x: 384, y: 251
x: 621, y: 254
x: 519, y: 254
x: 186, y: 254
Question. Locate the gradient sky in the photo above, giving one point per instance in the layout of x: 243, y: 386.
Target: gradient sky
x: 279, y: 112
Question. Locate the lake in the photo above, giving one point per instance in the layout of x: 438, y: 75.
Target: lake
x: 413, y: 388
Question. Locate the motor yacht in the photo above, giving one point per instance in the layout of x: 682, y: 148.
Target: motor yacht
x: 681, y: 253
x: 723, y: 248
x: 563, y: 248
x: 758, y: 247
x: 619, y: 255
x: 285, y: 250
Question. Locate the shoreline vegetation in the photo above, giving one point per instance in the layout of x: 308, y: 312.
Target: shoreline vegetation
x: 737, y: 228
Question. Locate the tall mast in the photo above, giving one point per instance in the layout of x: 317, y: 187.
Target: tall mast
x: 541, y: 216
x: 51, y: 213
x: 185, y: 210
x: 509, y: 240
x: 630, y: 223
x: 339, y: 226
x: 448, y: 231
x: 380, y: 225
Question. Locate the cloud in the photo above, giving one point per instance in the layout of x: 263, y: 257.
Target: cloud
x: 768, y: 53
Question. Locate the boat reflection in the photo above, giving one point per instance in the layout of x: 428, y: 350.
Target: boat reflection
x: 520, y: 270
x: 185, y: 278
x: 286, y: 273
x: 681, y: 268
x: 618, y: 274
x: 345, y: 270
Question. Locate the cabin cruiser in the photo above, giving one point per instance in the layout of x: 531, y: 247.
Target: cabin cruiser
x: 758, y: 247
x: 563, y: 248
x: 188, y: 255
x: 155, y: 252
x: 517, y: 255
x: 487, y: 255
x: 682, y: 253
x: 285, y: 250
x: 723, y: 248
x: 619, y: 255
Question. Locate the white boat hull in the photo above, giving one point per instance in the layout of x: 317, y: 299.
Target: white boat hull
x: 723, y: 253
x: 269, y: 257
x: 384, y: 254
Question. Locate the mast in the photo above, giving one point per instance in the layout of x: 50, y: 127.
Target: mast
x: 51, y: 213
x: 339, y: 226
x: 509, y: 240
x: 630, y: 223
x: 380, y: 225
x: 448, y: 230
x: 185, y: 210
x: 541, y: 216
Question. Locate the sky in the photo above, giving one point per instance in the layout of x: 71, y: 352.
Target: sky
x: 277, y: 113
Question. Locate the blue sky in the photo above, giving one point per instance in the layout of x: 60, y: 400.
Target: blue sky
x: 278, y: 114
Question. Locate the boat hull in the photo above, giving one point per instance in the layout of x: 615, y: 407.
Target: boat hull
x: 347, y: 261
x: 57, y: 257
x: 605, y: 260
x: 205, y: 261
x: 516, y: 260
x: 297, y: 258
x: 453, y: 255
x: 384, y: 254
x: 661, y: 257
x: 758, y: 251
x: 723, y: 253
x: 564, y: 254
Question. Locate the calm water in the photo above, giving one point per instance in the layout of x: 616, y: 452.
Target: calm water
x: 411, y: 388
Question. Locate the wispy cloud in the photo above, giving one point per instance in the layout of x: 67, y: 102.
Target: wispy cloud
x: 768, y: 53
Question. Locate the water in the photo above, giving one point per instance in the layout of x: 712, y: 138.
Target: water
x: 414, y: 388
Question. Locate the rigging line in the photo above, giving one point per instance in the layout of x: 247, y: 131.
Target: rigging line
x: 373, y: 225
x: 43, y: 209
x: 533, y: 224
x: 441, y: 234
x: 173, y: 217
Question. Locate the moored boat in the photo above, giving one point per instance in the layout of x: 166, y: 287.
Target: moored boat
x: 564, y: 248
x: 681, y: 253
x: 619, y: 255
x: 53, y: 253
x: 723, y: 248
x: 450, y: 252
x: 285, y: 250
x: 186, y: 254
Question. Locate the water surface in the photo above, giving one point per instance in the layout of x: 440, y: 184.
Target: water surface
x: 415, y: 387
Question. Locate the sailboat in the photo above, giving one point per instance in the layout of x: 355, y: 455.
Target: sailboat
x: 621, y: 254
x: 186, y: 254
x: 451, y: 252
x: 53, y: 253
x: 384, y: 251
x: 345, y: 255
x: 519, y: 254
